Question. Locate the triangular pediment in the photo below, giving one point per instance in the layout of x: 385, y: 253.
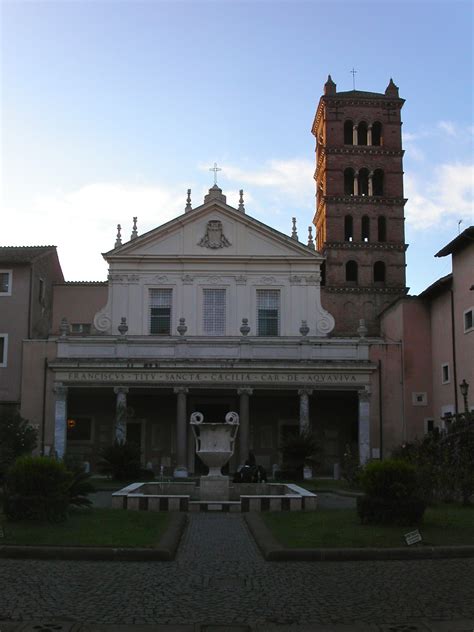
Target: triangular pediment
x: 217, y: 230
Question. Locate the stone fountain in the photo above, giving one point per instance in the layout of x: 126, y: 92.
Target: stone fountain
x: 214, y: 446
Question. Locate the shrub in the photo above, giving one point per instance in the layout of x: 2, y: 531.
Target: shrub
x: 17, y: 437
x: 121, y: 460
x: 299, y: 449
x: 37, y: 488
x: 391, y: 479
x: 400, y: 511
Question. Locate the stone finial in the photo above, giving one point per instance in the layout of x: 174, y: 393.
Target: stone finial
x: 134, y: 234
x: 118, y: 240
x: 188, y: 206
x: 391, y: 90
x: 362, y: 329
x: 329, y: 87
x: 241, y: 201
x: 310, y: 238
x: 244, y: 328
x: 64, y: 327
x: 182, y: 328
x: 123, y: 327
x: 294, y: 234
x: 304, y: 329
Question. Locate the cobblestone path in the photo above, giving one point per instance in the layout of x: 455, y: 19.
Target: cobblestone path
x: 220, y: 577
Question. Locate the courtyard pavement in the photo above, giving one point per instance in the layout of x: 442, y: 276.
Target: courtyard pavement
x: 219, y: 582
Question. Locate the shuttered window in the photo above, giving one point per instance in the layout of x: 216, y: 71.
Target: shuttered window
x: 160, y: 311
x: 268, y: 312
x: 214, y: 312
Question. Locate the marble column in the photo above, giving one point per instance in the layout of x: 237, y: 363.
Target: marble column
x: 356, y: 183
x: 121, y: 413
x: 364, y: 425
x: 244, y: 429
x: 369, y: 135
x: 60, y: 420
x: 304, y: 394
x: 371, y: 183
x: 181, y: 469
x: 354, y: 135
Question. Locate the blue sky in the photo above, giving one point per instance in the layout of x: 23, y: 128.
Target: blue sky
x: 113, y: 109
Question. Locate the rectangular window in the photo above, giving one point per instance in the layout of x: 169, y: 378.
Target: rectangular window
x: 5, y: 282
x: 3, y: 349
x: 214, y: 312
x: 445, y: 373
x: 80, y: 328
x: 468, y: 320
x: 79, y: 429
x: 268, y: 312
x: 160, y: 311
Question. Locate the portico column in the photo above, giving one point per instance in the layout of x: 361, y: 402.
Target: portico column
x: 304, y: 394
x: 364, y: 425
x: 60, y: 420
x: 181, y: 469
x: 121, y: 413
x: 244, y: 429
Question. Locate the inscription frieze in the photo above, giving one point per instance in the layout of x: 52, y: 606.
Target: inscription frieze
x: 150, y: 376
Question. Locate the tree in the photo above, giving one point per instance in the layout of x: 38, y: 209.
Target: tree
x: 299, y: 450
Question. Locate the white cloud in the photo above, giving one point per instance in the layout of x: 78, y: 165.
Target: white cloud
x: 448, y: 127
x: 82, y: 223
x: 448, y: 197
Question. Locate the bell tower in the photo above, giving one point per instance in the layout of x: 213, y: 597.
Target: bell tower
x: 359, y: 216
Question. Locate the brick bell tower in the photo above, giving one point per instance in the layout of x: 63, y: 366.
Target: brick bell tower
x: 359, y: 203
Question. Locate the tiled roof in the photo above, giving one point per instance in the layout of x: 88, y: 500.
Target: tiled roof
x: 440, y: 285
x: 466, y: 238
x: 23, y: 254
x: 361, y: 94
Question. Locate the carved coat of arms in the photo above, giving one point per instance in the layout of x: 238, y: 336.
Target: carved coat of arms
x: 214, y: 237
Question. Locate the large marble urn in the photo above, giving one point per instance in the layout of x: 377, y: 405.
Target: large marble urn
x: 215, y: 441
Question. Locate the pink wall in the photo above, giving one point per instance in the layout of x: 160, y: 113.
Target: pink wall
x: 77, y: 302
x: 14, y: 321
x: 463, y: 280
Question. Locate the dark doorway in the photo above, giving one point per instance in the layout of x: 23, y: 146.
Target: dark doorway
x: 134, y: 433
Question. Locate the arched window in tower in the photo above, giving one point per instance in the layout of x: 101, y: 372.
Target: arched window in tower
x: 349, y: 181
x: 365, y: 228
x: 348, y: 228
x: 363, y: 181
x: 351, y: 272
x: 378, y: 182
x: 377, y: 133
x: 362, y: 133
x: 382, y: 228
x: 379, y: 272
x: 348, y: 137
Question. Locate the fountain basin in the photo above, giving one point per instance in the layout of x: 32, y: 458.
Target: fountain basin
x: 242, y: 497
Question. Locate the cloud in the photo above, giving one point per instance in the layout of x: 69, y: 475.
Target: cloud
x: 448, y: 127
x: 82, y: 223
x: 448, y: 197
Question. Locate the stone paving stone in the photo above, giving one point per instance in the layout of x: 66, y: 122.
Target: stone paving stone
x: 220, y: 578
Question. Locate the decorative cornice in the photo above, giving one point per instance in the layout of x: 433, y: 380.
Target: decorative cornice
x: 366, y: 199
x: 401, y: 291
x: 364, y: 245
x: 364, y: 150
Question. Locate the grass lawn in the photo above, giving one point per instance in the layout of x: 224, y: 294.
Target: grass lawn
x: 338, y: 528
x: 92, y: 527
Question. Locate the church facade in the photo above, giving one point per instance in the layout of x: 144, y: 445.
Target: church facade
x: 215, y: 311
